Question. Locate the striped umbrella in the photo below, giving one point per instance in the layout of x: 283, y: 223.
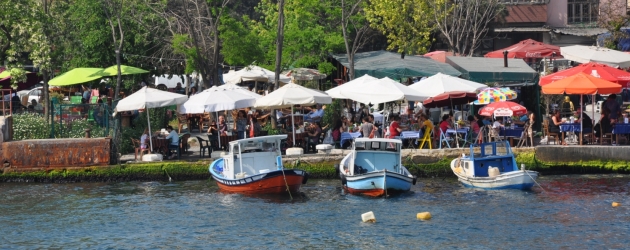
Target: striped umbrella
x: 490, y: 95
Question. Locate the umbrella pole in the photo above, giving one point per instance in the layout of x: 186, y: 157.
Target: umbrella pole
x: 293, y: 124
x: 581, y: 120
x: 455, y: 124
x: 149, y: 124
x: 218, y: 131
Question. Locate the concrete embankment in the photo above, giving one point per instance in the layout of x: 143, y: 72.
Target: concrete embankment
x: 423, y: 163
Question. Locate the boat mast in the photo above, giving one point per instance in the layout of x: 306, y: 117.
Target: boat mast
x: 240, y: 159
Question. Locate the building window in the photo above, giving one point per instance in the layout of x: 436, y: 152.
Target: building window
x: 582, y: 11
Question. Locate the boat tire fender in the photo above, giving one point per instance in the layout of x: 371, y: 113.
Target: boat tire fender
x: 343, y: 180
x: 336, y: 169
x: 305, y: 178
x: 415, y: 178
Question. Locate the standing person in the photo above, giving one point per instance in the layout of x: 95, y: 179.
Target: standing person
x: 193, y: 91
x: 240, y: 124
x: 97, y: 113
x: 474, y: 125
x: 87, y: 92
x: 613, y: 107
x: 366, y: 127
x: 222, y: 126
x: 174, y: 137
x: 144, y: 140
x: 377, y: 133
x: 603, y: 126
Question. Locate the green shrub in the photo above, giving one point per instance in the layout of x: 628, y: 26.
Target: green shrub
x: 30, y: 126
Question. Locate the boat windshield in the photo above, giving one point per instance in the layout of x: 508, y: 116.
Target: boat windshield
x: 500, y: 148
x: 377, y: 146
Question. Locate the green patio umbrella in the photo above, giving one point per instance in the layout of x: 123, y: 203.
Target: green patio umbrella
x: 76, y: 76
x: 5, y: 74
x: 124, y: 70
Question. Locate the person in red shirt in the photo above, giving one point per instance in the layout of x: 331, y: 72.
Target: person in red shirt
x: 394, y: 127
x: 444, y: 125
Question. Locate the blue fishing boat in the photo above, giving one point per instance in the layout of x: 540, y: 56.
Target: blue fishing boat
x: 492, y: 166
x: 374, y: 168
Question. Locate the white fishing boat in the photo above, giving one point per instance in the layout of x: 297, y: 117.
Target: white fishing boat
x: 492, y: 167
x: 374, y: 168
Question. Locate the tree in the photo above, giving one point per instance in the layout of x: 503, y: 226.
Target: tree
x: 405, y: 23
x: 613, y: 16
x: 464, y: 23
x: 310, y: 34
x: 355, y: 29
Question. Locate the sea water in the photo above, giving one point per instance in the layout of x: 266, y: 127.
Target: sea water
x: 567, y: 212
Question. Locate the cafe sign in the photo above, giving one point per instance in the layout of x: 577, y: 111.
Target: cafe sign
x: 503, y: 112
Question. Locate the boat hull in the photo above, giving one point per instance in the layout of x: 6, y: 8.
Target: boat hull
x: 376, y: 184
x: 518, y: 179
x: 274, y: 182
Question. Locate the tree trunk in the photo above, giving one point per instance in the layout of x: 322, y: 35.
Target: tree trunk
x: 46, y: 103
x: 280, y: 40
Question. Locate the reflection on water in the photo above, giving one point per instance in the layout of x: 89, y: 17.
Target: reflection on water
x: 571, y: 212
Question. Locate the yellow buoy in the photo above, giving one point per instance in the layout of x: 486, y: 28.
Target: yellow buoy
x: 423, y: 216
x: 615, y: 204
x: 368, y: 217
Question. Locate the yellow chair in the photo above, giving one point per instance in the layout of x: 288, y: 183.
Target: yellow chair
x: 426, y: 138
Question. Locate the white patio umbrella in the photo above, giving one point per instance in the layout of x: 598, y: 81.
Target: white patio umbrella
x: 147, y: 98
x: 290, y: 95
x: 219, y: 98
x: 337, y: 92
x: 380, y: 91
x: 441, y: 83
x: 253, y: 73
x: 585, y: 54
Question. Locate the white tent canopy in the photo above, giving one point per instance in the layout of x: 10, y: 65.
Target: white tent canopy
x: 380, y: 91
x: 585, y: 54
x: 219, y: 98
x: 146, y: 98
x: 337, y: 92
x: 441, y: 83
x: 292, y: 94
x: 253, y: 73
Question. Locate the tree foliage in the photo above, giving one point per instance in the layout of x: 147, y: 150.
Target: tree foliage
x: 463, y: 24
x: 405, y: 23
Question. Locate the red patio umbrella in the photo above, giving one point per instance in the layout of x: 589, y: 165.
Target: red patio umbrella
x: 598, y: 70
x: 505, y: 108
x: 527, y: 49
x: 450, y: 98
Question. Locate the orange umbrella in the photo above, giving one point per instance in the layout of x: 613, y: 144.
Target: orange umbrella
x: 581, y: 84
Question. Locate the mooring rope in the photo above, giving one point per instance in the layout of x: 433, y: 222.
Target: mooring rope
x: 525, y: 170
x: 286, y: 183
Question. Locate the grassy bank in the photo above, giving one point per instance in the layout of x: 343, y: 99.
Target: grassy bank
x: 179, y: 170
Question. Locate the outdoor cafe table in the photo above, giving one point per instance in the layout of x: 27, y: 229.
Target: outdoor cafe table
x: 457, y: 132
x: 410, y: 135
x: 511, y: 133
x: 574, y: 128
x: 620, y: 129
x: 348, y: 136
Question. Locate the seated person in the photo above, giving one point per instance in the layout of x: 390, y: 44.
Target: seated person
x: 425, y: 123
x: 144, y: 139
x: 314, y: 133
x: 554, y: 124
x: 179, y: 88
x: 587, y: 122
x: 222, y: 126
x: 445, y: 124
x: 604, y: 125
x: 315, y: 115
x: 522, y: 120
x: 174, y: 137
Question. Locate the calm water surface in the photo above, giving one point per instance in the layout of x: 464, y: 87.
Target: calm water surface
x: 571, y: 212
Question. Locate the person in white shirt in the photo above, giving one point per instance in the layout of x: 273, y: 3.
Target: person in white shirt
x: 174, y: 137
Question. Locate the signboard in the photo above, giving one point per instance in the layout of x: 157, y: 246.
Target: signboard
x: 503, y: 112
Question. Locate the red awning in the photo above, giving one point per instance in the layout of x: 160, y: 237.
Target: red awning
x: 450, y: 98
x: 595, y: 69
x: 527, y: 49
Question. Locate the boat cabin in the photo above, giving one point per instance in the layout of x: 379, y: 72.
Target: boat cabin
x: 374, y: 154
x: 491, y: 154
x: 252, y: 156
